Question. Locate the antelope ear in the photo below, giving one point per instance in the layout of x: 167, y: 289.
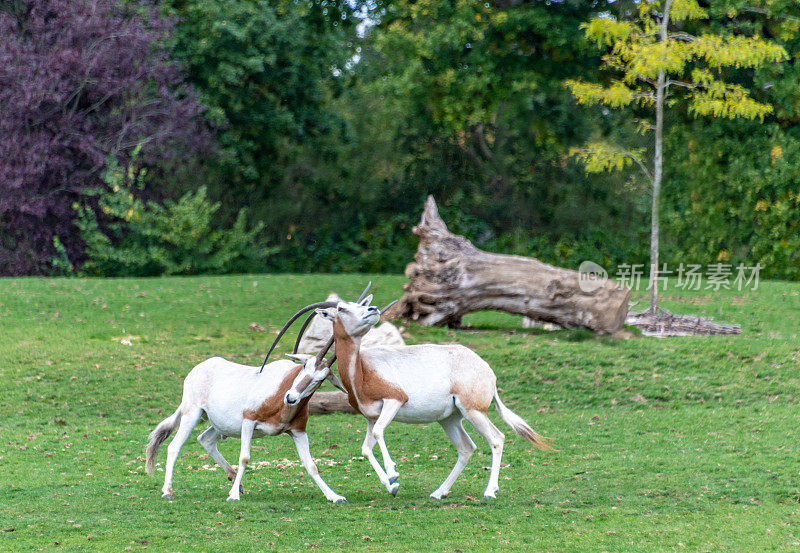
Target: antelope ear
x: 327, y: 313
x: 366, y: 301
x: 299, y: 357
x: 335, y: 381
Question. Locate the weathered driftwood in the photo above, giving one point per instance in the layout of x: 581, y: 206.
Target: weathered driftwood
x: 320, y: 331
x: 451, y: 277
x: 325, y: 403
x: 662, y: 323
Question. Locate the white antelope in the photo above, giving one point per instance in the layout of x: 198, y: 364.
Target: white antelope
x: 419, y: 384
x: 239, y: 401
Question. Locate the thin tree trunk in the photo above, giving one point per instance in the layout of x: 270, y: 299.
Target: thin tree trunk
x: 658, y: 162
x: 658, y: 166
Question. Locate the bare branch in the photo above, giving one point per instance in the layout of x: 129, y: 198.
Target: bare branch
x: 765, y: 11
x: 642, y: 166
x: 681, y: 83
x: 682, y: 36
x: 484, y: 148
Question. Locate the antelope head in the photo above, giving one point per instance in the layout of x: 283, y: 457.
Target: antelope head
x: 356, y: 318
x: 308, y: 379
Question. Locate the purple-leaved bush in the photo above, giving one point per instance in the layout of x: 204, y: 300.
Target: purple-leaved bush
x: 79, y: 80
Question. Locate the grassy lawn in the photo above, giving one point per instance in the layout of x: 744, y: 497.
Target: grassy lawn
x: 680, y: 444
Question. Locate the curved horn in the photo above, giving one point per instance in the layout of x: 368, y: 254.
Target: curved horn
x: 323, y: 352
x: 306, y: 309
x: 294, y: 317
x: 302, y: 330
x: 311, y: 317
x: 364, y: 293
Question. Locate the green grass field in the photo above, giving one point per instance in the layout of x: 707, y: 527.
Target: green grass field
x: 680, y: 444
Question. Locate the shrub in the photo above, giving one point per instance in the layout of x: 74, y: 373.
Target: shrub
x: 734, y: 197
x: 138, y: 238
x: 79, y: 80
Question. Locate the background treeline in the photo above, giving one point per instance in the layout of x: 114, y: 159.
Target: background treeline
x: 191, y: 136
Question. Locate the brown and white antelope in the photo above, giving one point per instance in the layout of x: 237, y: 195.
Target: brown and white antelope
x: 240, y: 401
x: 419, y: 384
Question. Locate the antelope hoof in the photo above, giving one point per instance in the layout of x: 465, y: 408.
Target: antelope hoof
x: 393, y: 478
x: 168, y: 496
x: 393, y: 489
x: 490, y: 495
x: 439, y: 495
x: 339, y: 499
x: 232, y: 497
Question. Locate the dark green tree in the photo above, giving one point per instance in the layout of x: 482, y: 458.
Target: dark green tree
x: 266, y: 71
x: 465, y: 100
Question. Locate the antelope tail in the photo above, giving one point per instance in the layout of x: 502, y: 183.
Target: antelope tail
x: 157, y: 437
x: 520, y: 426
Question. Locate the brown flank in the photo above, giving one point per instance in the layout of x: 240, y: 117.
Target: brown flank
x: 371, y: 387
x: 272, y: 410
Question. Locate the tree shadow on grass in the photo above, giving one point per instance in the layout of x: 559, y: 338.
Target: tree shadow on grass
x: 568, y: 334
x: 565, y: 334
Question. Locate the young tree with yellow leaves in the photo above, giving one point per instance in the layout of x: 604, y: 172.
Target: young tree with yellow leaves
x: 660, y: 63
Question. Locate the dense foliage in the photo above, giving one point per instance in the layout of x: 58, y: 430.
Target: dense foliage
x: 731, y: 187
x: 79, y: 80
x: 466, y: 101
x: 742, y: 202
x: 147, y: 239
x: 264, y: 70
x: 332, y: 121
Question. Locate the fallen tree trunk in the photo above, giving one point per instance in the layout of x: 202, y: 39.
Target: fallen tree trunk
x: 662, y: 323
x: 325, y: 403
x: 451, y: 277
